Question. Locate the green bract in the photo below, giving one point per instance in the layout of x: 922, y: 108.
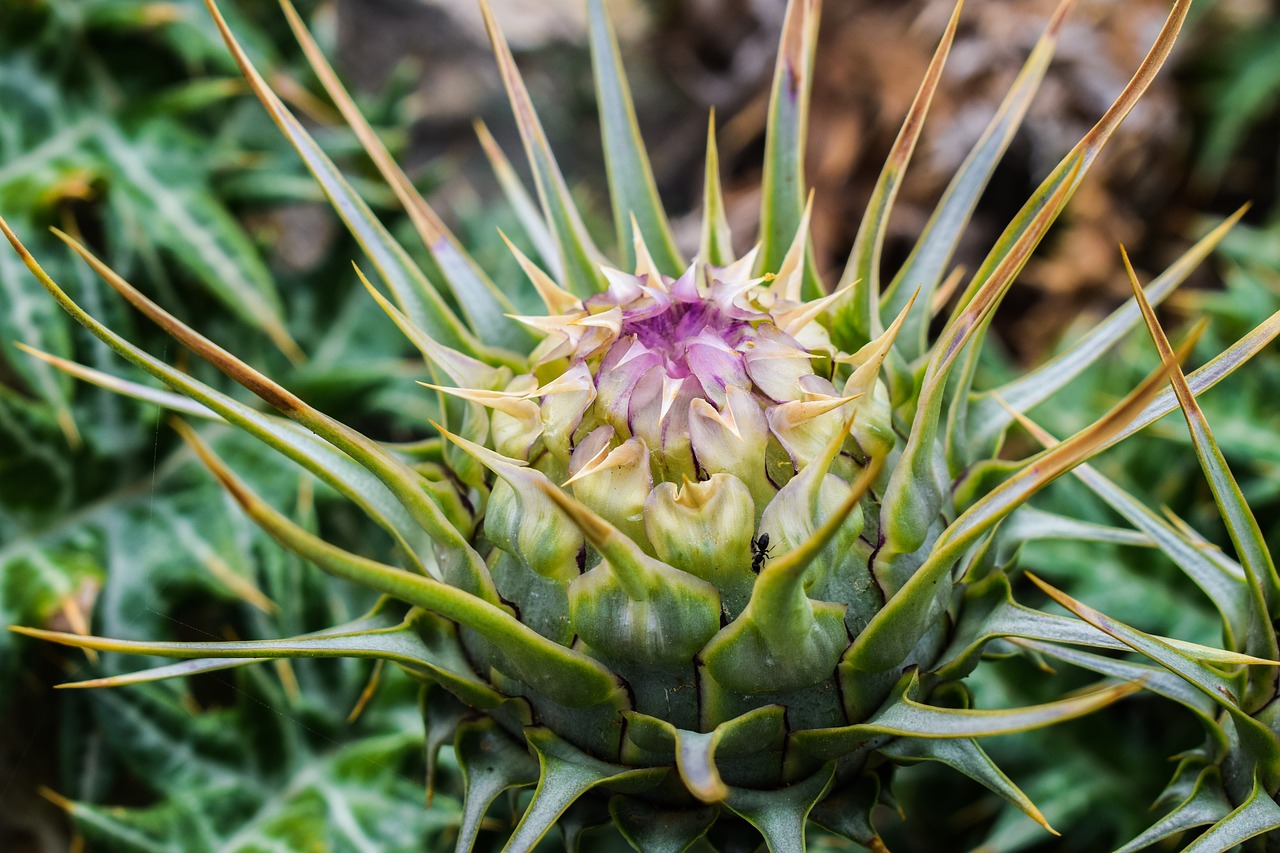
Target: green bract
x: 700, y: 542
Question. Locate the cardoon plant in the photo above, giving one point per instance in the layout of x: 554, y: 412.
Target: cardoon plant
x: 709, y: 544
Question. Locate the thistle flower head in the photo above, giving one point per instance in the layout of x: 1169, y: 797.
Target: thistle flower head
x: 705, y: 535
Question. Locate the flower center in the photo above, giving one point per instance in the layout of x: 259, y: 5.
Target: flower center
x: 668, y: 333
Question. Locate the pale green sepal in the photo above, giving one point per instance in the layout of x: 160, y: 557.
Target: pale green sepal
x: 1030, y: 524
x: 652, y: 829
x: 1205, y: 377
x: 988, y: 414
x: 734, y: 441
x: 441, y: 712
x: 387, y: 613
x: 487, y: 308
x: 782, y: 187
x: 631, y: 184
x: 918, y: 483
x: 859, y: 320
x: 579, y: 257
x: 354, y: 481
x: 716, y: 246
x: 1220, y: 579
x: 1260, y: 742
x: 565, y: 774
x: 631, y: 606
x: 873, y: 428
x: 785, y: 646
x: 781, y: 815
x: 411, y: 289
x: 491, y: 762
x: 706, y: 529
x: 525, y: 208
x: 968, y: 758
x: 1206, y: 804
x: 1242, y: 526
x: 696, y: 754
x: 1252, y: 818
x: 846, y: 811
x: 542, y: 601
x: 615, y: 483
x: 902, y: 716
x: 521, y: 520
x: 940, y: 235
x: 668, y: 623
x: 1154, y: 679
x: 1046, y: 203
x: 784, y: 640
x: 894, y: 631
x: 799, y: 510
x: 564, y: 675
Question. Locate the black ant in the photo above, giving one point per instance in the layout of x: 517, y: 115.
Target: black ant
x: 760, y: 551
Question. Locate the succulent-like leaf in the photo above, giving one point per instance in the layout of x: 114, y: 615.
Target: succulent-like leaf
x: 579, y: 257
x: 968, y: 758
x: 1256, y: 815
x: 1024, y: 232
x: 780, y: 815
x: 1260, y: 569
x: 1152, y: 678
x: 491, y: 763
x: 861, y: 309
x: 937, y: 241
x: 411, y: 289
x: 486, y: 308
x: 1220, y: 581
x: 1262, y: 744
x: 988, y: 418
x: 651, y: 828
x: 1206, y: 804
x: 893, y: 631
x: 913, y: 496
x: 783, y: 193
x: 716, y: 246
x: 785, y: 641
x: 568, y: 676
x: 566, y: 773
x: 902, y: 716
x: 631, y: 184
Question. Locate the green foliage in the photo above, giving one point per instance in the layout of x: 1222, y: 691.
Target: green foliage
x: 104, y: 522
x: 537, y: 584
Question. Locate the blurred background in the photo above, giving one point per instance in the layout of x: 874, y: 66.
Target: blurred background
x: 125, y: 121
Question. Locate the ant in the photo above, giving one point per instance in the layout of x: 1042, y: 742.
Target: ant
x: 760, y: 551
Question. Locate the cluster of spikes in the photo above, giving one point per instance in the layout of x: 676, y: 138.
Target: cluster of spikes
x: 705, y: 549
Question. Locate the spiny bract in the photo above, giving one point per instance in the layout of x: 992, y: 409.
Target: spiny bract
x: 705, y: 537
